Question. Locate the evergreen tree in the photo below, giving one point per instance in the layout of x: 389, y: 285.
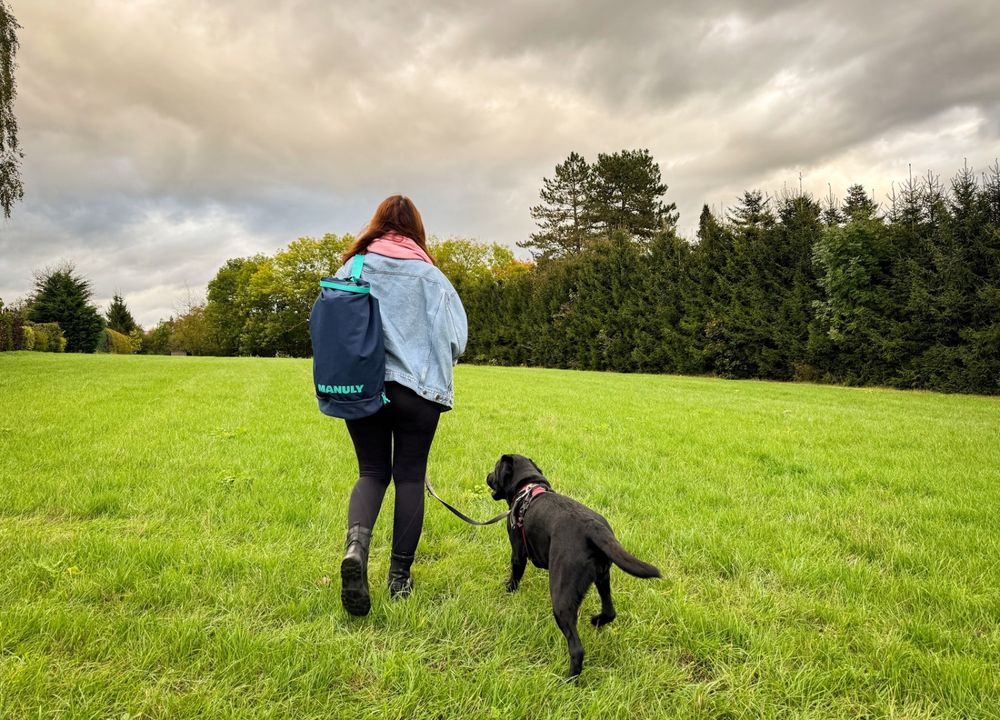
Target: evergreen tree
x: 753, y: 211
x: 794, y: 283
x: 762, y: 328
x: 553, y: 313
x: 954, y: 225
x: 63, y: 297
x: 708, y: 260
x: 600, y: 319
x: 119, y: 318
x: 737, y: 335
x: 857, y: 205
x: 627, y: 194
x: 911, y: 284
x: 853, y: 341
x: 11, y: 189
x: 832, y: 214
x: 981, y: 340
x: 562, y: 217
x: 667, y: 316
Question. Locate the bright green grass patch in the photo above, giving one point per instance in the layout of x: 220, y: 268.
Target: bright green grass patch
x: 166, y: 525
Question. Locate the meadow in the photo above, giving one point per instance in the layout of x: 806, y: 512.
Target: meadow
x: 171, y: 527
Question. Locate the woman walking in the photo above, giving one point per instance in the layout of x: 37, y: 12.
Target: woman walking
x: 425, y: 332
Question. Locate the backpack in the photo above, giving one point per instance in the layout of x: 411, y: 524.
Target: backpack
x: 348, y: 349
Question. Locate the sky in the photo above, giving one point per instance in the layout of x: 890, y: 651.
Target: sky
x: 162, y: 137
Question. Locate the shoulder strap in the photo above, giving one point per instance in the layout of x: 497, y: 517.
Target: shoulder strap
x: 359, y: 261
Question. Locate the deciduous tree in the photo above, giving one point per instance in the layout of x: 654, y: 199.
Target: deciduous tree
x: 11, y: 189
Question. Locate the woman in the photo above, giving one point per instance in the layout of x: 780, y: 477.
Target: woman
x: 425, y: 331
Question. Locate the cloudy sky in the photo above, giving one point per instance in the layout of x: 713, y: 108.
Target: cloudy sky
x: 162, y: 137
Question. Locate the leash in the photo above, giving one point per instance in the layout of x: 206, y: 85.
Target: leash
x: 459, y: 513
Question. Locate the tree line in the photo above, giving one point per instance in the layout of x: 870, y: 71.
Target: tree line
x: 787, y: 287
x: 58, y: 316
x: 904, y: 293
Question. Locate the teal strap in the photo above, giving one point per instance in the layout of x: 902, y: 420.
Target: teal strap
x: 359, y: 261
x: 344, y: 286
x: 385, y: 399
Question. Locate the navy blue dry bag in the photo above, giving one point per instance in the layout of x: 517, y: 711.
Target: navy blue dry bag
x: 348, y: 349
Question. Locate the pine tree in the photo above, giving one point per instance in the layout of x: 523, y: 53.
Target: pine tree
x: 753, y: 211
x: 562, y: 218
x: 708, y: 260
x: 118, y: 316
x: 627, y: 194
x: 981, y: 347
x: 857, y: 205
x: 852, y: 338
x: 832, y: 214
x: 911, y: 286
x: 737, y: 339
x: 668, y: 315
x: 11, y: 189
x: 63, y: 297
x: 794, y: 283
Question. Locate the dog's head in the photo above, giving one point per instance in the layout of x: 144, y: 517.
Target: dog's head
x: 510, y: 473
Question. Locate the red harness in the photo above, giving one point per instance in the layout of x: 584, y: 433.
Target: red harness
x: 519, y: 507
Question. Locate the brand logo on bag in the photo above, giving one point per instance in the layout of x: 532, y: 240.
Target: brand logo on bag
x: 340, y: 389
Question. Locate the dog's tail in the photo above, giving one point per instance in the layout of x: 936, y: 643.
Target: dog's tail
x: 608, y: 544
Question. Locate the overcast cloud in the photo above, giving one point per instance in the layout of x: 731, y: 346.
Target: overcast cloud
x: 163, y: 137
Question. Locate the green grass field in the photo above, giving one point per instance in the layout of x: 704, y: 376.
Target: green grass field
x: 170, y: 531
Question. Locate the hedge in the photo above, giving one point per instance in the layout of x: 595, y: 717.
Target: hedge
x: 18, y: 334
x: 47, y: 337
x: 112, y: 341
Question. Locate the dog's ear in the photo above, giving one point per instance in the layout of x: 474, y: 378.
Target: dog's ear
x: 523, y: 469
x: 506, y: 470
x: 499, y: 480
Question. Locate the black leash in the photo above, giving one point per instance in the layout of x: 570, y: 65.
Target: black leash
x: 459, y: 513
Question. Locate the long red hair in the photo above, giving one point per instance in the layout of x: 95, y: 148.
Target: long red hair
x: 396, y: 213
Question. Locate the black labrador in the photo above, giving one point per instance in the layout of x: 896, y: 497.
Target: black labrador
x: 571, y: 541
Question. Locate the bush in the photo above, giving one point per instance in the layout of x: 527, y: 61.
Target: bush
x: 135, y: 338
x: 18, y: 333
x: 48, y: 337
x: 41, y: 339
x: 6, y: 331
x: 11, y: 330
x: 112, y: 341
x: 29, y: 338
x: 157, y: 340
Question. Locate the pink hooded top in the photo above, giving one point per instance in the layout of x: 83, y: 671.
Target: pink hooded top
x: 398, y: 246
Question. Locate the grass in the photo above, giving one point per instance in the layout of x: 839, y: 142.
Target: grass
x: 169, y: 530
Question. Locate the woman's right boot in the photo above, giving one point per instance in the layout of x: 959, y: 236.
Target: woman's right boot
x: 354, y: 571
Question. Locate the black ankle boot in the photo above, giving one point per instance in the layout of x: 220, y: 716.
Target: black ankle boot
x: 354, y: 572
x: 400, y: 580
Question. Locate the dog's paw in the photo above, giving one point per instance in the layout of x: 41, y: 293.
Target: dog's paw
x: 510, y: 585
x: 600, y: 620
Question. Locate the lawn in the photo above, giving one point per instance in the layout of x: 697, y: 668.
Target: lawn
x: 170, y: 530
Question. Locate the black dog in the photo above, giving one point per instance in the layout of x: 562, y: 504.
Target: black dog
x: 571, y: 541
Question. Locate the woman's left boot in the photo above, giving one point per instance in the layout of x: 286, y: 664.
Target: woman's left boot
x: 354, y: 571
x: 400, y: 579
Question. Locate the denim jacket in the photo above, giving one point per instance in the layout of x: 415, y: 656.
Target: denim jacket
x: 423, y: 322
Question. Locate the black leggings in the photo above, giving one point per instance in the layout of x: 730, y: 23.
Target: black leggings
x: 410, y: 421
